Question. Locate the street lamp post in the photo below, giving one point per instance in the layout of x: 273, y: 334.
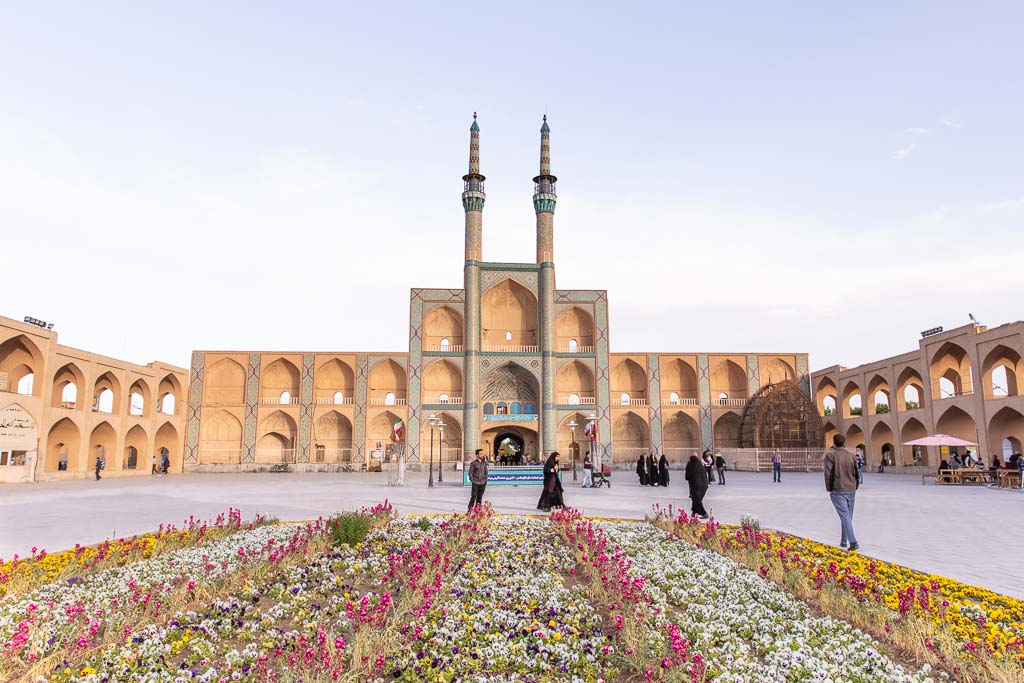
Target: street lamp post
x: 572, y: 446
x: 440, y: 452
x: 430, y: 479
x: 591, y: 420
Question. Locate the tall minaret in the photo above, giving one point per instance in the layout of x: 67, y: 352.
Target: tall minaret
x: 473, y: 203
x: 544, y: 199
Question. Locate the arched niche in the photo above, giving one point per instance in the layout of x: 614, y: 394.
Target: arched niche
x: 21, y: 362
x: 442, y: 383
x: 508, y: 316
x: 387, y: 384
x: 631, y: 437
x: 574, y: 330
x: 225, y: 383
x: 443, y: 329
x: 333, y: 377
x: 68, y: 386
x: 950, y: 372
x: 220, y: 439
x: 574, y: 384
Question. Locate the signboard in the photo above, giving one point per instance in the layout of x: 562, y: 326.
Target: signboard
x: 17, y: 429
x: 510, y: 476
x: 510, y: 418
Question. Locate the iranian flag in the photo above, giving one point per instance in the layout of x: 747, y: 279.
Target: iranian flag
x: 590, y: 431
x: 397, y: 435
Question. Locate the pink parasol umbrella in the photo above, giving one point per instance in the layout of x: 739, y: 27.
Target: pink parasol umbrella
x: 939, y: 440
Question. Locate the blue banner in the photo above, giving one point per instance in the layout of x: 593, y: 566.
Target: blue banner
x: 526, y: 475
x: 511, y: 418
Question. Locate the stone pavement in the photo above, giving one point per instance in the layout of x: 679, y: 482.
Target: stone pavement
x: 972, y: 534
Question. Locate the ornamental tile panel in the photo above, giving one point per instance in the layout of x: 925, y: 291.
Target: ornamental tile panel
x: 195, y: 401
x: 753, y: 378
x: 803, y: 373
x: 489, y: 278
x: 707, y: 435
x: 252, y: 407
x: 654, y: 401
x: 359, y: 424
x: 306, y: 408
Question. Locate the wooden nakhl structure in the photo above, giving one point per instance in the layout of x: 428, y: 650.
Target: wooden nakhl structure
x: 780, y: 415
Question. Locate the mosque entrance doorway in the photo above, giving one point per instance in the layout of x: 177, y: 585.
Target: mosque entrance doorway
x: 509, y: 448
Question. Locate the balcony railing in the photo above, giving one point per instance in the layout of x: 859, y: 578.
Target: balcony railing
x: 385, y: 401
x: 279, y: 401
x: 679, y: 401
x: 730, y: 402
x: 631, y: 402
x: 576, y: 349
x: 451, y: 348
x: 329, y: 401
x: 576, y: 400
x: 512, y: 349
x: 442, y: 399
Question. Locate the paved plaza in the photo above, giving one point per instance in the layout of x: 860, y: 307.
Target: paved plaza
x: 967, y: 533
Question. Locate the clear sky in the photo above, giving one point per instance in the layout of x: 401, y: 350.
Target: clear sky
x: 822, y: 177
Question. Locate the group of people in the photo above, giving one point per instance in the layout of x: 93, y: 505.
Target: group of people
x: 651, y: 471
x: 551, y: 492
x: 967, y: 461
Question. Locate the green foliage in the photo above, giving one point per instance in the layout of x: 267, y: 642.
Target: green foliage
x: 423, y: 523
x: 881, y: 408
x: 913, y: 405
x: 830, y: 411
x: 350, y: 528
x: 856, y: 411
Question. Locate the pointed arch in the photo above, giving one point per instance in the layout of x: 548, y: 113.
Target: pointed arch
x: 956, y: 422
x: 629, y: 379
x: 727, y: 430
x: 909, y: 390
x: 102, y: 444
x: 139, y: 399
x: 220, y: 439
x: 511, y: 382
x: 574, y: 384
x: 775, y: 371
x: 68, y: 387
x: 728, y: 378
x: 447, y: 442
x: 853, y: 400
x: 276, y: 442
x: 508, y: 315
x: 442, y: 383
x: 387, y: 383
x: 911, y: 430
x: 679, y: 376
x: 225, y: 383
x: 855, y: 437
x: 168, y: 394
x: 168, y: 443
x: 1001, y: 370
x: 1006, y: 425
x: 567, y: 436
x: 827, y: 396
x: 882, y: 436
x: 950, y: 372
x: 279, y: 378
x: 879, y: 396
x: 106, y: 393
x: 829, y: 431
x: 382, y: 428
x: 681, y: 435
x: 574, y: 325
x: 631, y: 436
x: 332, y: 438
x: 21, y: 361
x: 136, y: 450
x: 333, y: 377
x: 63, y: 447
x: 441, y: 324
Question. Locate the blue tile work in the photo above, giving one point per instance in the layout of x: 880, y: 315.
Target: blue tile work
x: 252, y: 407
x: 359, y: 426
x: 421, y: 302
x: 803, y: 372
x: 753, y: 378
x: 195, y: 401
x: 707, y: 434
x: 306, y: 408
x: 654, y: 401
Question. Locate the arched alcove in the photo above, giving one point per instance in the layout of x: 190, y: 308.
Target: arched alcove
x: 728, y: 378
x: 220, y: 439
x: 508, y: 316
x: 276, y: 442
x: 682, y: 436
x: 332, y: 438
x: 443, y: 324
x: 63, y: 443
x: 279, y: 378
x: 442, y: 383
x: 167, y: 442
x: 631, y: 436
x: 1000, y: 372
x: 912, y: 430
x: 333, y: 377
x: 386, y: 383
x: 136, y: 450
x: 629, y: 379
x: 727, y: 430
x: 574, y: 330
x: 68, y: 382
x: 225, y: 383
x: 950, y: 372
x: 574, y: 384
x: 680, y: 378
x: 19, y: 359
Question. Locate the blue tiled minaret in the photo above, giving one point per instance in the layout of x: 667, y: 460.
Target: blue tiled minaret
x: 473, y: 203
x: 544, y: 199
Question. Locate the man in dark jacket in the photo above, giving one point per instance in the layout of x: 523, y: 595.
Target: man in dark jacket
x: 841, y: 482
x: 477, y: 479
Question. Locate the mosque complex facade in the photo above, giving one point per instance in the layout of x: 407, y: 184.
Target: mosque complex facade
x: 507, y: 358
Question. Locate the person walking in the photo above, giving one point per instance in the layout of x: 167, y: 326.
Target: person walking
x: 720, y: 466
x: 477, y: 479
x: 663, y: 478
x: 709, y: 465
x: 697, y: 477
x: 860, y: 466
x: 641, y: 470
x: 551, y: 496
x: 652, y: 470
x: 99, y: 466
x: 841, y: 482
x: 776, y: 466
x: 588, y: 471
x: 154, y: 464
x: 165, y: 461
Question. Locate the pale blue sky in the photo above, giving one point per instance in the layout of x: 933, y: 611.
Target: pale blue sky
x: 794, y: 177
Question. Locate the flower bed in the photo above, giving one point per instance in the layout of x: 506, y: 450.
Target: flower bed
x: 973, y: 632
x: 374, y: 597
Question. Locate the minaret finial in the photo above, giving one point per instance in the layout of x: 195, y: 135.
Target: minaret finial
x: 544, y: 184
x: 473, y: 191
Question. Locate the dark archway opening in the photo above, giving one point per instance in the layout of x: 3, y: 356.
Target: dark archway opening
x: 508, y: 449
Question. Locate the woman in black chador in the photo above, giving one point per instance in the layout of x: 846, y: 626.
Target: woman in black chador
x: 697, y: 477
x: 663, y: 470
x: 641, y: 471
x: 551, y: 496
x: 652, y: 470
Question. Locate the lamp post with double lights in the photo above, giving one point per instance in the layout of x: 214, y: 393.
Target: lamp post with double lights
x: 440, y: 451
x: 572, y: 446
x: 430, y: 478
